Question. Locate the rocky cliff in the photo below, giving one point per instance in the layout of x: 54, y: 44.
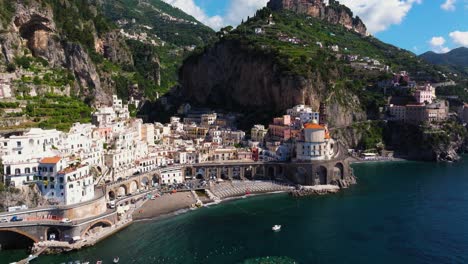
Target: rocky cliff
x: 231, y: 77
x: 333, y: 12
x: 71, y: 36
x: 434, y: 142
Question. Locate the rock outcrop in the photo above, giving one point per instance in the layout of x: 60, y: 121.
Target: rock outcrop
x: 229, y: 77
x: 333, y: 13
x: 33, y: 31
x: 115, y: 49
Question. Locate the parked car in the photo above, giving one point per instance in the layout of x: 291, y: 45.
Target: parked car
x: 65, y: 220
x: 16, y: 219
x: 4, y: 220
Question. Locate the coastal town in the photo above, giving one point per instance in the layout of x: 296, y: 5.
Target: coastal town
x: 114, y: 113
x: 118, y: 168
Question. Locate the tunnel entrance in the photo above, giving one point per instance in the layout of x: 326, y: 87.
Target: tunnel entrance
x: 13, y: 240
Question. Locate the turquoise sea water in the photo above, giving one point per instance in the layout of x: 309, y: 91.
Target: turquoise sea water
x: 404, y: 212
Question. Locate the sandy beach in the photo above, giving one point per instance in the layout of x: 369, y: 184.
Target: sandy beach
x: 164, y: 205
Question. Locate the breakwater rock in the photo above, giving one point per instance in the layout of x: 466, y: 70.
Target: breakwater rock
x: 315, y: 190
x: 323, y: 189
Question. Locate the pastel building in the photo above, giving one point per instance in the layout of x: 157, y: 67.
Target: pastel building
x: 65, y: 184
x: 304, y: 113
x: 21, y: 154
x: 171, y: 176
x: 315, y: 145
x: 258, y: 133
x: 280, y: 129
x: 425, y: 94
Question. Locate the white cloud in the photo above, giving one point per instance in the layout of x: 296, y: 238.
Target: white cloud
x: 449, y: 5
x: 241, y: 9
x: 459, y: 38
x: 238, y: 10
x: 437, y: 41
x: 192, y: 9
x: 437, y: 45
x: 379, y: 15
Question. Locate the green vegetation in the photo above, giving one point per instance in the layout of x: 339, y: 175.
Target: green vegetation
x: 307, y: 56
x: 9, y: 105
x: 53, y: 111
x: 78, y: 21
x: 6, y: 11
x: 460, y: 90
x: 371, y: 135
x: 179, y: 29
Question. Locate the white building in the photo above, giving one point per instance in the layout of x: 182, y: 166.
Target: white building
x: 64, y: 184
x: 258, y: 133
x: 171, y: 176
x: 208, y: 119
x: 304, y: 113
x: 21, y: 154
x: 316, y: 144
x: 425, y: 94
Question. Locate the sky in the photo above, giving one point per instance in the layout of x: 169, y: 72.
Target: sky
x: 415, y: 25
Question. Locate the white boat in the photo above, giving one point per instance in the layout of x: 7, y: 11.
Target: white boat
x: 276, y: 228
x: 116, y: 260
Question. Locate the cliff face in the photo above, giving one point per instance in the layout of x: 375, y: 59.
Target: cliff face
x: 229, y: 77
x: 333, y: 13
x: 32, y: 30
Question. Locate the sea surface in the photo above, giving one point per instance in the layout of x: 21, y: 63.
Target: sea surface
x: 402, y: 212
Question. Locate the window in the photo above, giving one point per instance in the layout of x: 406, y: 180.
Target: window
x: 70, y: 186
x: 51, y: 169
x: 61, y: 179
x: 18, y: 143
x: 27, y: 170
x: 17, y: 171
x: 61, y: 188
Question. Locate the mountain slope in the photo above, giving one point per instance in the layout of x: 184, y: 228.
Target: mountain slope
x: 88, y: 54
x: 455, y: 57
x: 160, y: 22
x: 281, y: 58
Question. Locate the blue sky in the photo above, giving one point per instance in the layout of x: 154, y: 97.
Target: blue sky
x: 416, y: 25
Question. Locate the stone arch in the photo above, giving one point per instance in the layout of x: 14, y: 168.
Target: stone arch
x: 301, y: 176
x: 13, y: 238
x: 338, y: 171
x: 188, y: 172
x: 111, y: 195
x: 99, y: 223
x: 224, y: 174
x: 261, y: 171
x: 155, y: 179
x: 52, y: 233
x: 22, y: 233
x: 133, y: 187
x: 144, y: 182
x: 321, y: 176
x: 200, y: 174
x: 122, y: 190
x: 271, y: 172
x: 248, y: 173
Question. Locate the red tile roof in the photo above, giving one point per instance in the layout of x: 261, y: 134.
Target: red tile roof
x: 51, y: 160
x: 314, y: 126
